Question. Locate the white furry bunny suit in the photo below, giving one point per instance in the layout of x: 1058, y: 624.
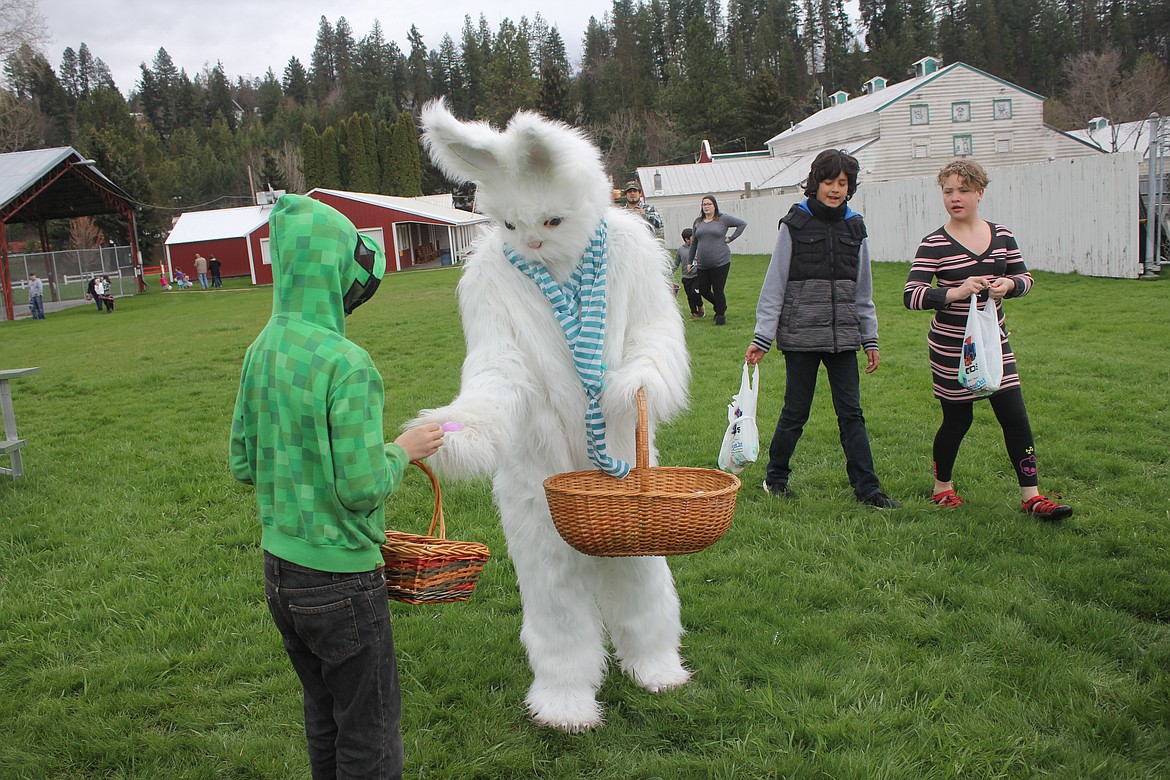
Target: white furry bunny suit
x: 522, y: 405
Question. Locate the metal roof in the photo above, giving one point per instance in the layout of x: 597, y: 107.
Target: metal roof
x: 422, y: 207
x: 36, y: 184
x: 217, y: 224
x: 1131, y: 136
x: 729, y: 175
x: 876, y: 101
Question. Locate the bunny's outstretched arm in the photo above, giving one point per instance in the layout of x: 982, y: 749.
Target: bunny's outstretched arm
x: 496, y: 380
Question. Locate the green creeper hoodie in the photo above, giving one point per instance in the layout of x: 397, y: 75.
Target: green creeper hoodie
x: 307, y: 428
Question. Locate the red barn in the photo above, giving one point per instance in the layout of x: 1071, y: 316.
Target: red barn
x: 233, y: 236
x: 411, y: 230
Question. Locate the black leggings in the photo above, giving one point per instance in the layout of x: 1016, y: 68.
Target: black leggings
x: 1008, y: 406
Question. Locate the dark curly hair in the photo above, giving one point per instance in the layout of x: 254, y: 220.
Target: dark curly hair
x: 830, y: 164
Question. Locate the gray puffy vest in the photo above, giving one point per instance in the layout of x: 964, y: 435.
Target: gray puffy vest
x: 820, y: 301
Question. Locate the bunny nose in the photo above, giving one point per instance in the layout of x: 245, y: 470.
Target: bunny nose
x: 535, y: 244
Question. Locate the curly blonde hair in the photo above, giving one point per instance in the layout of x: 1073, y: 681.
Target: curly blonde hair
x: 971, y: 172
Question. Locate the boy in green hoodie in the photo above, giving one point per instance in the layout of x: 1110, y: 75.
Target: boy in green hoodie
x: 307, y: 432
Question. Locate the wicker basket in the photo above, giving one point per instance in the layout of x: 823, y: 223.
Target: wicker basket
x: 429, y: 569
x: 653, y: 511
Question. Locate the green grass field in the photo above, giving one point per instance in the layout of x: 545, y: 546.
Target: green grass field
x: 828, y: 640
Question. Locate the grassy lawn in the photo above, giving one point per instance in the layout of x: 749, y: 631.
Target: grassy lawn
x: 828, y: 640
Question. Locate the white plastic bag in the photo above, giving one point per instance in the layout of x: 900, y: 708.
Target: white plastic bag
x: 981, y: 368
x: 741, y: 441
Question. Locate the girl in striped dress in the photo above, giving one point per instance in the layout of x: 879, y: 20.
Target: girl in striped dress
x: 970, y: 256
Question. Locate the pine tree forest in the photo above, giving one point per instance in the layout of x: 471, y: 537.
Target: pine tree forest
x: 655, y: 78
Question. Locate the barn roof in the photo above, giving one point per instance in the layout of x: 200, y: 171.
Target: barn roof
x: 421, y: 207
x: 217, y: 224
x: 33, y: 186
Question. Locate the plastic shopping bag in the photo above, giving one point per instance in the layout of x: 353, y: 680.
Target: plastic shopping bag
x: 741, y: 441
x: 981, y: 368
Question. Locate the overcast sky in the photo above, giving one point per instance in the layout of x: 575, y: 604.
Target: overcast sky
x: 249, y: 36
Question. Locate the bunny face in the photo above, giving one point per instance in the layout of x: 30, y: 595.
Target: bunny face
x: 541, y: 181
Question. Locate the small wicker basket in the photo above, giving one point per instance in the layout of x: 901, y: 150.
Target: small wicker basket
x: 429, y: 569
x: 653, y: 511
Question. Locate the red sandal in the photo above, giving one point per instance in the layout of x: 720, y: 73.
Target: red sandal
x: 1045, y: 508
x: 947, y: 498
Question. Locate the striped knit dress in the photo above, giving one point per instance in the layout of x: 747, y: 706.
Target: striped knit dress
x: 941, y: 257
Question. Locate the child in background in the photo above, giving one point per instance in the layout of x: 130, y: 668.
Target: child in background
x: 690, y: 275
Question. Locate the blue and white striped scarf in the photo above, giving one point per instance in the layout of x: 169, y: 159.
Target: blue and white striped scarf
x: 579, y: 306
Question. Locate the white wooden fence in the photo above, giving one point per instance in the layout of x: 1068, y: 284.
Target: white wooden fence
x: 1069, y: 216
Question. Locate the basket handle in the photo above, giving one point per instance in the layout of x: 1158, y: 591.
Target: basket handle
x: 642, y: 442
x: 437, y: 512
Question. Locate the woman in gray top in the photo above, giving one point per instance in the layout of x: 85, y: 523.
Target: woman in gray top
x: 712, y: 255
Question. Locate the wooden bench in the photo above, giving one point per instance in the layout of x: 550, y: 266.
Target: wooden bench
x: 12, y: 444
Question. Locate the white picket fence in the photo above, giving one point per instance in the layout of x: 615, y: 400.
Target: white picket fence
x: 1069, y: 216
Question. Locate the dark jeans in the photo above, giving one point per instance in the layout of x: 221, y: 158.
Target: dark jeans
x: 336, y: 630
x: 216, y: 281
x: 801, y: 370
x: 36, y: 305
x: 694, y: 299
x: 710, y: 283
x: 1008, y: 406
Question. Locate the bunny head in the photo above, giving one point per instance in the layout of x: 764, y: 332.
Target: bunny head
x: 541, y: 181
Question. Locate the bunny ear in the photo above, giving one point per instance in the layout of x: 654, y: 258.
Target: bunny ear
x: 534, y: 143
x: 464, y: 150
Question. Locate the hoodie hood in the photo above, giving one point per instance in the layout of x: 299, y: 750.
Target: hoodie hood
x: 313, y: 261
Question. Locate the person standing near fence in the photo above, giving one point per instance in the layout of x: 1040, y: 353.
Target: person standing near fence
x: 710, y: 253
x: 36, y: 297
x: 91, y: 292
x: 971, y: 256
x: 201, y: 270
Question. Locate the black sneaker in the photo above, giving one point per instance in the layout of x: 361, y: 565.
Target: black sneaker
x: 778, y: 490
x: 720, y: 319
x: 879, y: 500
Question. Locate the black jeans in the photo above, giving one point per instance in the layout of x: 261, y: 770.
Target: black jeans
x: 694, y: 298
x: 801, y: 370
x: 336, y: 631
x: 710, y: 283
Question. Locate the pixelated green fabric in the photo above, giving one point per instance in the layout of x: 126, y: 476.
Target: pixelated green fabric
x: 307, y: 428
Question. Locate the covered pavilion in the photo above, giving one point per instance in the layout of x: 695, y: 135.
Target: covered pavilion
x: 46, y: 184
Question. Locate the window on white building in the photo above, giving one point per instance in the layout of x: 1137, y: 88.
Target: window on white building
x: 1003, y: 144
x: 920, y: 114
x: 922, y: 148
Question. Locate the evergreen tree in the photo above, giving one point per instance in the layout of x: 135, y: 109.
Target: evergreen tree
x: 311, y: 159
x: 419, y: 86
x: 296, y: 81
x: 219, y: 98
x: 510, y: 84
x: 361, y: 157
x: 323, y: 65
x: 553, y: 98
x: 473, y: 61
x: 344, y: 56
x: 384, y: 138
x: 454, y: 78
x: 330, y: 161
x: 68, y: 75
x: 269, y: 97
x: 405, y: 156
